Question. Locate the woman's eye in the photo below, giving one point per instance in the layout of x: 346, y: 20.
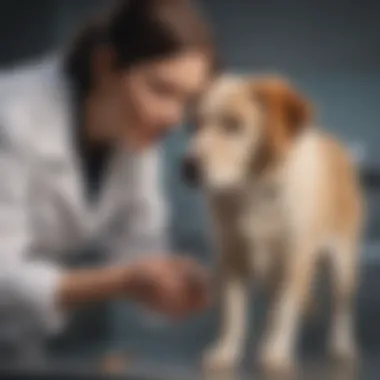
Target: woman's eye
x: 231, y: 125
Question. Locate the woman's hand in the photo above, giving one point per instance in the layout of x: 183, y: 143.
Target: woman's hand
x: 173, y: 286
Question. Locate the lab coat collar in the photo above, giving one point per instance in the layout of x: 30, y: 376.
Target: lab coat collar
x: 65, y: 162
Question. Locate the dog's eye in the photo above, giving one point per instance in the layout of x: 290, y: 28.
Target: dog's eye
x: 231, y: 124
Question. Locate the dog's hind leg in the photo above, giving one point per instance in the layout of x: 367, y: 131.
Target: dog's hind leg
x: 343, y: 259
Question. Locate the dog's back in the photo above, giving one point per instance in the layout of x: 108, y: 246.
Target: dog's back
x: 322, y: 188
x: 254, y: 136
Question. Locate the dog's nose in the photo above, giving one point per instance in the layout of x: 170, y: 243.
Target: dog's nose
x: 190, y: 171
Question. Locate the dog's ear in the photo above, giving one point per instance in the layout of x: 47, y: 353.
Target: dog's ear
x: 285, y: 114
x: 282, y: 104
x: 297, y: 111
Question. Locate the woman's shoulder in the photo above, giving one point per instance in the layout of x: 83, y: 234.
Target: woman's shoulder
x: 30, y: 97
x: 21, y: 79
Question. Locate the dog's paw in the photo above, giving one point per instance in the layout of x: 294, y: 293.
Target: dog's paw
x: 344, y: 352
x: 221, y: 358
x: 277, y: 362
x: 342, y: 345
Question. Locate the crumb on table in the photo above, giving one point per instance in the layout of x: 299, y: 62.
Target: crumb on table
x: 114, y: 363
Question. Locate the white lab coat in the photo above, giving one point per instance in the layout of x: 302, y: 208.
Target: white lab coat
x: 43, y: 211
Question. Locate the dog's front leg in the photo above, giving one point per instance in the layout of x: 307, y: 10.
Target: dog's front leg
x: 277, y: 354
x: 227, y: 352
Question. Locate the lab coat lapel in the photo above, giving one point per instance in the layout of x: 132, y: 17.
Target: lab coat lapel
x: 71, y: 185
x: 64, y: 162
x: 111, y: 193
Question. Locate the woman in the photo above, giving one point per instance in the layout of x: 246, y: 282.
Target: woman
x: 96, y: 116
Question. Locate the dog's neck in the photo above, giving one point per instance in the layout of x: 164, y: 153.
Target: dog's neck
x: 271, y: 173
x: 266, y: 182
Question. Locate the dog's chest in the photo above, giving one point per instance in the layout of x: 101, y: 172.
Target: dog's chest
x: 263, y: 215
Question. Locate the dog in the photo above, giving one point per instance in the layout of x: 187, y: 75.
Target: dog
x: 282, y: 194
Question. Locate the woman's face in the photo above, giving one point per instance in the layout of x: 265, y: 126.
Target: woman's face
x: 150, y: 99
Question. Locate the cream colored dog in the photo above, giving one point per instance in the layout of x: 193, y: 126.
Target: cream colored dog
x: 283, y: 194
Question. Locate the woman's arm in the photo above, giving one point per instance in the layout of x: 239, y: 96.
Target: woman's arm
x: 30, y: 283
x: 45, y: 289
x: 49, y: 291
x: 174, y: 286
x: 92, y: 285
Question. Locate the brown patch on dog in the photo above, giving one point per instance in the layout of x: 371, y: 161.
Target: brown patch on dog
x: 286, y: 114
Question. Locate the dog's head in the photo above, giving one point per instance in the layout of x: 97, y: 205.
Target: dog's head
x: 243, y: 125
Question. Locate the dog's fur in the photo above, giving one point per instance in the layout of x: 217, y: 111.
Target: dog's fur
x: 282, y: 193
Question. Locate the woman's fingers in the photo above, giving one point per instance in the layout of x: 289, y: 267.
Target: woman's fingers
x: 192, y: 286
x: 173, y: 295
x: 173, y: 286
x: 197, y: 281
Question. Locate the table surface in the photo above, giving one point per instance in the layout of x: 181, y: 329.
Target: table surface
x: 173, y: 352
x: 309, y: 370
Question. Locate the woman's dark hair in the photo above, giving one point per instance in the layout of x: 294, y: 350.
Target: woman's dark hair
x: 139, y: 31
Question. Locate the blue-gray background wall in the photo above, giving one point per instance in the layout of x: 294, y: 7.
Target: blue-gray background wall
x: 331, y: 49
